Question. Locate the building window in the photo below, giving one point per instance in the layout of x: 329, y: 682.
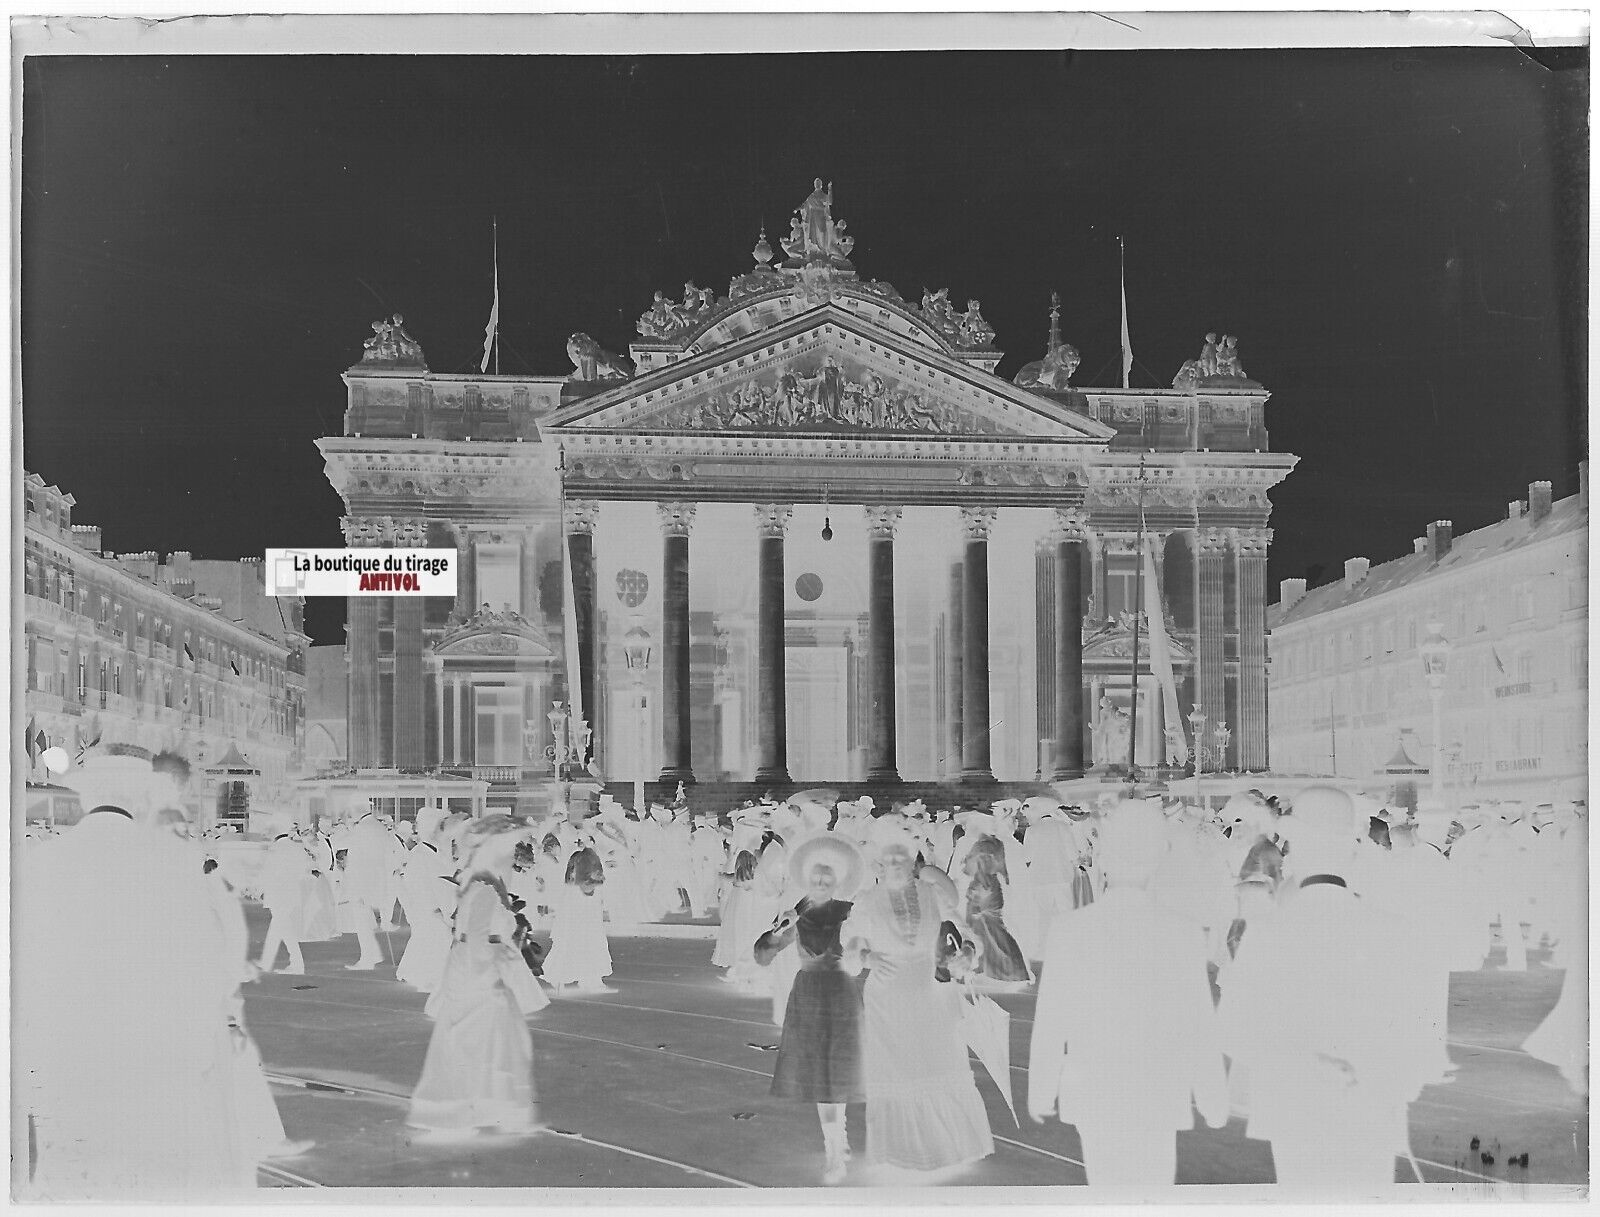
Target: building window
x: 116, y: 677
x: 498, y: 713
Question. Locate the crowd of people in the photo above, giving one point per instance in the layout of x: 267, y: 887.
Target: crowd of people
x: 1286, y: 959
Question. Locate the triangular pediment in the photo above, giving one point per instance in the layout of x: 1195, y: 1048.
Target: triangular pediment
x: 826, y: 373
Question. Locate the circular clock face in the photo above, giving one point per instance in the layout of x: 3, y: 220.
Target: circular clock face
x: 808, y: 587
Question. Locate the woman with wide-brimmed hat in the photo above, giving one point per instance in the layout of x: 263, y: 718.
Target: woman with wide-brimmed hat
x: 819, y: 1059
x: 924, y: 1112
x: 479, y: 1069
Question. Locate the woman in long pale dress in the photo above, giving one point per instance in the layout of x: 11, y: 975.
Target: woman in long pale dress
x: 479, y: 1069
x: 580, y: 952
x: 923, y: 1108
x: 741, y: 921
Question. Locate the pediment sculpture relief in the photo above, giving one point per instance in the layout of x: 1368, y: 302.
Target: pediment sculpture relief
x: 825, y: 399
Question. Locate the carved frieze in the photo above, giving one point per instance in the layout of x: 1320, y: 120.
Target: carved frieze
x: 1125, y: 496
x: 822, y: 396
x: 628, y: 469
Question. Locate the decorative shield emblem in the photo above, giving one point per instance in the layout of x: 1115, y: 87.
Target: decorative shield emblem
x: 633, y: 587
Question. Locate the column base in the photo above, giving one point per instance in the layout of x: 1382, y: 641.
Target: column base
x: 1066, y: 775
x: 677, y: 775
x: 774, y: 777
x: 884, y: 777
x: 977, y: 777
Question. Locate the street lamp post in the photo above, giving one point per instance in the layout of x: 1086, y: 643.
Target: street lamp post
x: 1434, y: 651
x: 1223, y: 733
x: 636, y: 651
x: 1197, y: 731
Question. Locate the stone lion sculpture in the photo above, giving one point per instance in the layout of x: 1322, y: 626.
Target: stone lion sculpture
x: 591, y: 361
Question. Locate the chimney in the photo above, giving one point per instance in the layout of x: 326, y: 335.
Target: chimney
x: 1355, y: 570
x: 1514, y: 509
x: 1290, y: 591
x: 87, y: 537
x: 1538, y: 501
x: 1439, y: 538
x: 1418, y: 544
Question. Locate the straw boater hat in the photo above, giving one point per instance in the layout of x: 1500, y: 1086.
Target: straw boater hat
x: 1043, y: 807
x: 837, y: 852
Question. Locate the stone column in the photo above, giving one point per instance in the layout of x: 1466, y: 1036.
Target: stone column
x: 578, y: 518
x: 361, y: 650
x: 772, y: 743
x: 676, y: 520
x: 466, y: 574
x: 953, y: 683
x: 881, y: 763
x: 1072, y: 533
x: 1250, y: 544
x: 1211, y: 546
x: 975, y: 523
x: 407, y: 738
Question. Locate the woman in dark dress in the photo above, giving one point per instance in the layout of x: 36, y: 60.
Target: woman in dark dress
x: 999, y: 957
x: 819, y: 1060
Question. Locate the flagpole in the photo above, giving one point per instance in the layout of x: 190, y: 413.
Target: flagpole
x: 1133, y: 671
x: 1127, y: 340
x: 495, y: 220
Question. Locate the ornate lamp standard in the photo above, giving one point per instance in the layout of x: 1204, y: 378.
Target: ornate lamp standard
x: 1223, y: 734
x: 1197, y: 731
x: 569, y: 741
x: 636, y: 652
x: 1434, y: 651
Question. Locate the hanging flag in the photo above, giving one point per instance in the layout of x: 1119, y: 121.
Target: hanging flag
x: 491, y: 332
x: 187, y: 653
x: 1497, y: 661
x: 41, y: 742
x: 1127, y: 342
x: 1161, y: 658
x: 569, y: 615
x: 234, y: 664
x: 28, y: 740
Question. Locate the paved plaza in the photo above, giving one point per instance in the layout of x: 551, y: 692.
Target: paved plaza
x: 663, y: 1084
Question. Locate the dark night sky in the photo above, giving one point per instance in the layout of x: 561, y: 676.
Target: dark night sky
x: 1396, y: 236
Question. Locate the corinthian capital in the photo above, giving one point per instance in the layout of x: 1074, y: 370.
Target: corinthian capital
x: 365, y: 530
x: 1071, y: 524
x: 676, y: 518
x: 1252, y: 542
x: 1211, y: 541
x: 772, y: 519
x: 881, y: 522
x: 409, y: 533
x: 579, y: 515
x: 977, y: 521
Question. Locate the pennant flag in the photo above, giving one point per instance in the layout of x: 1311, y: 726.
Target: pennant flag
x: 1127, y: 342
x: 1161, y: 658
x: 1497, y: 661
x: 492, y: 330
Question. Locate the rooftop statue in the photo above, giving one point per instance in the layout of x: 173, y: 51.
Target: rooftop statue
x: 814, y: 236
x: 592, y: 362
x: 390, y: 344
x: 973, y: 330
x: 938, y: 311
x: 1060, y: 360
x: 1217, y: 367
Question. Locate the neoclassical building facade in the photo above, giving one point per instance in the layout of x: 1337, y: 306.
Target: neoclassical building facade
x: 811, y: 536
